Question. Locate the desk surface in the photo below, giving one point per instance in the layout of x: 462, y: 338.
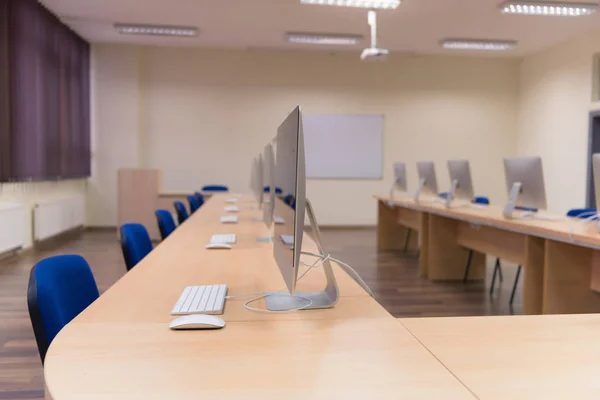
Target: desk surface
x: 545, y: 356
x: 568, y: 230
x: 121, y: 347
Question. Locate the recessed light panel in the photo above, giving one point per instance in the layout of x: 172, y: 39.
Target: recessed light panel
x: 548, y: 8
x: 157, y: 30
x: 380, y: 4
x: 322, y: 38
x: 472, y: 44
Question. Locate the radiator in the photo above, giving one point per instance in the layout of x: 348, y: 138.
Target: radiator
x: 53, y: 217
x: 12, y: 227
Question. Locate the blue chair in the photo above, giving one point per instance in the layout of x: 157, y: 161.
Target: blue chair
x: 182, y: 213
x: 215, y: 188
x: 444, y: 195
x: 59, y: 289
x: 278, y: 190
x: 481, y: 200
x: 166, y: 223
x: 288, y: 199
x: 582, y: 213
x: 135, y: 243
x: 200, y: 198
x: 194, y: 206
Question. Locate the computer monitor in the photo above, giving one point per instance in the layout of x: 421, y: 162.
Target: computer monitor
x: 525, y: 184
x: 399, y: 178
x: 269, y: 174
x: 427, y: 180
x: 461, y: 183
x: 255, y: 179
x: 596, y: 173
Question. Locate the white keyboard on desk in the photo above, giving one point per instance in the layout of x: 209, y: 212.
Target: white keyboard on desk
x: 278, y: 220
x: 287, y: 239
x: 228, y: 238
x: 230, y: 219
x: 208, y: 299
x: 232, y: 209
x: 231, y: 201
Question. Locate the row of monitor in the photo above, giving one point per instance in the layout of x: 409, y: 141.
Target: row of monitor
x: 524, y: 181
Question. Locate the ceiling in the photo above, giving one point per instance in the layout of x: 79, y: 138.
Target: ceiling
x: 416, y: 26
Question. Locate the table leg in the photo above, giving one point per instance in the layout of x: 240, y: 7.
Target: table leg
x: 390, y: 235
x: 424, y: 246
x: 446, y: 259
x: 567, y: 279
x: 533, y: 291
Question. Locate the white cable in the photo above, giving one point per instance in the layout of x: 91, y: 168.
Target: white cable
x: 263, y: 295
x: 574, y: 224
x: 353, y: 273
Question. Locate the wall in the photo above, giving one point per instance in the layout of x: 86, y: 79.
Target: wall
x: 31, y: 193
x: 555, y: 101
x: 203, y: 114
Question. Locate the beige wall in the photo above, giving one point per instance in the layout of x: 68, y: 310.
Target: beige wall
x: 555, y: 101
x: 202, y: 115
x: 30, y: 193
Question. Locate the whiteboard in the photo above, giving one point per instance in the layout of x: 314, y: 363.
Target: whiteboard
x: 343, y: 146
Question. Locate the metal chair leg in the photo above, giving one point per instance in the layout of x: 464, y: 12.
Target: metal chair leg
x: 468, y: 267
x: 407, y: 241
x: 500, y: 275
x: 514, y: 290
x: 497, y: 271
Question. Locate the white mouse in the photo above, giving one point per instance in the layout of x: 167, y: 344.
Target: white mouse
x: 219, y: 246
x: 196, y: 321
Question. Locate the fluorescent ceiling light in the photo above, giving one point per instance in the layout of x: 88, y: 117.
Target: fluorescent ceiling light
x: 356, y: 3
x: 157, y: 30
x: 549, y: 8
x: 323, y: 38
x: 471, y: 44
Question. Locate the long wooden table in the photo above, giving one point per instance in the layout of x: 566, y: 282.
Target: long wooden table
x: 518, y: 357
x: 561, y: 259
x: 121, y: 347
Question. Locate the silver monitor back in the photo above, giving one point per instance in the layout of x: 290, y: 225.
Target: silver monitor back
x: 292, y: 172
x: 400, y: 177
x: 269, y: 206
x: 427, y: 180
x: 460, y: 180
x: 525, y: 184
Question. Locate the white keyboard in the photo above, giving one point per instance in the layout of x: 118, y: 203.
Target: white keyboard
x: 232, y: 208
x: 228, y: 238
x: 231, y: 201
x: 209, y: 299
x: 287, y: 239
x: 279, y: 220
x: 230, y: 219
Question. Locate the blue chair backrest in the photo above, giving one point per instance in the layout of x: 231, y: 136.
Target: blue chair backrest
x: 166, y: 223
x: 215, y: 188
x: 582, y: 213
x: 194, y: 206
x: 182, y: 213
x: 293, y: 205
x: 481, y: 200
x: 278, y: 190
x: 444, y: 195
x: 200, y: 198
x: 59, y: 289
x: 135, y: 243
x: 288, y: 199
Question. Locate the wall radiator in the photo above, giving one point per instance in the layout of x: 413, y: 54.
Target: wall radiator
x: 12, y: 227
x: 53, y: 217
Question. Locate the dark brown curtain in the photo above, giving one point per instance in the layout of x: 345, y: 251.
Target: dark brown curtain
x: 48, y: 111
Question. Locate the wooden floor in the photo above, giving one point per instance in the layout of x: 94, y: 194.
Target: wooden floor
x: 392, y: 276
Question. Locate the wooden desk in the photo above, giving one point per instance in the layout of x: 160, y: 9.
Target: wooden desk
x: 121, y: 347
x: 524, y: 357
x: 561, y: 259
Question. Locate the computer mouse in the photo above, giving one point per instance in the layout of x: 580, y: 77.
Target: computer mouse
x: 219, y: 246
x: 196, y: 321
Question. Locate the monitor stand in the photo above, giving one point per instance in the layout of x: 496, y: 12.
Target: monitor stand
x: 511, y: 204
x: 451, y: 193
x: 324, y: 299
x: 420, y: 189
